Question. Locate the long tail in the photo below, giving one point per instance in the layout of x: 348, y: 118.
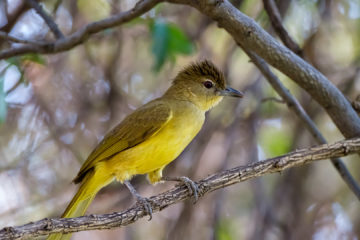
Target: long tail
x: 91, y: 184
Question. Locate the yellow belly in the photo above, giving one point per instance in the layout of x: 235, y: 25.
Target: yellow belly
x: 157, y: 151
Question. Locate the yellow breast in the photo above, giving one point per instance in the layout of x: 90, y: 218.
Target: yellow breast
x: 162, y: 148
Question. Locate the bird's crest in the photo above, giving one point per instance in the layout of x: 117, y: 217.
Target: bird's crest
x: 203, y: 69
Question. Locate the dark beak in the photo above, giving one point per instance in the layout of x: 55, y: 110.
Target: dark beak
x: 231, y: 92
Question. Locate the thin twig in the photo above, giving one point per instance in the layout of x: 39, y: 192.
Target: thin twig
x: 293, y: 104
x: 296, y: 107
x: 47, y: 18
x: 276, y: 22
x: 180, y: 193
x: 249, y: 35
x: 14, y: 39
x: 14, y: 16
x: 273, y: 99
x: 56, y: 6
x: 83, y: 33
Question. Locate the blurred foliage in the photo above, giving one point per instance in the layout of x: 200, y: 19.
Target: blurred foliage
x: 274, y: 140
x: 223, y: 231
x: 30, y: 57
x: 168, y: 40
x: 94, y: 10
x: 71, y: 99
x: 21, y: 61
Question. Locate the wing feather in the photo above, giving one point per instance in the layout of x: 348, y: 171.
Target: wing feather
x: 133, y: 130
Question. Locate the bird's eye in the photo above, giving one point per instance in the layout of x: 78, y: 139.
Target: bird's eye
x: 208, y: 84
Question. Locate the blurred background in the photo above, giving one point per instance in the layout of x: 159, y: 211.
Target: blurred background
x: 54, y: 109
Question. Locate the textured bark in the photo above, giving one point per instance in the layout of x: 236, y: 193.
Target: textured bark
x: 296, y: 107
x: 81, y: 35
x: 250, y: 36
x: 47, y: 18
x: 276, y: 22
x: 177, y: 194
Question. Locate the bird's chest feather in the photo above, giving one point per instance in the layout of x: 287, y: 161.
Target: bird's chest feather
x: 167, y: 144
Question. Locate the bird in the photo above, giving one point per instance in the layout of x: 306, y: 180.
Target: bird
x: 151, y: 137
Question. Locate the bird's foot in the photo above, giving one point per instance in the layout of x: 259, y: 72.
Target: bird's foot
x: 190, y: 184
x: 146, y: 204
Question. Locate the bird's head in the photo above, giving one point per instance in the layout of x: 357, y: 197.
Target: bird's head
x: 203, y: 84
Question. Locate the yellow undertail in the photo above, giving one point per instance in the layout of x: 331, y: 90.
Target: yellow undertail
x: 91, y: 184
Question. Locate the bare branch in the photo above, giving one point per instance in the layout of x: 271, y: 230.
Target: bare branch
x: 14, y: 17
x: 14, y: 39
x: 292, y: 103
x: 47, y: 18
x: 83, y: 33
x: 296, y: 107
x: 273, y: 99
x: 56, y: 6
x: 178, y: 194
x: 275, y: 18
x: 250, y: 36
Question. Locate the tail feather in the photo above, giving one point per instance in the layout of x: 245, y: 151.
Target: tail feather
x: 91, y: 184
x: 79, y: 208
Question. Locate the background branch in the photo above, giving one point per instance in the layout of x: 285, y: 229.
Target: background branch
x: 275, y: 19
x: 61, y: 104
x: 14, y: 39
x: 47, y: 18
x: 82, y: 34
x: 296, y: 107
x: 177, y: 194
x: 250, y: 36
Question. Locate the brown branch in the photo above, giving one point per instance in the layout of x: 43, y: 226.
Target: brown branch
x: 8, y: 37
x: 250, y: 36
x: 47, y: 18
x: 83, y: 33
x: 14, y: 17
x: 296, y: 107
x: 292, y: 103
x: 276, y: 22
x: 272, y: 99
x: 180, y: 193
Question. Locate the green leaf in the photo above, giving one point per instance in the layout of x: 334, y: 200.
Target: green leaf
x: 3, y: 106
x: 168, y: 41
x: 20, y: 60
x: 160, y: 43
x: 32, y: 57
x: 179, y: 42
x: 14, y: 61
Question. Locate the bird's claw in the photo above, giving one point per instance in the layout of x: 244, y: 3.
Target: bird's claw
x: 146, y: 204
x: 190, y: 184
x: 192, y: 187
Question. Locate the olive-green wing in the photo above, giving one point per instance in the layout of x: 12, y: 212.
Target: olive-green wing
x: 133, y: 130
